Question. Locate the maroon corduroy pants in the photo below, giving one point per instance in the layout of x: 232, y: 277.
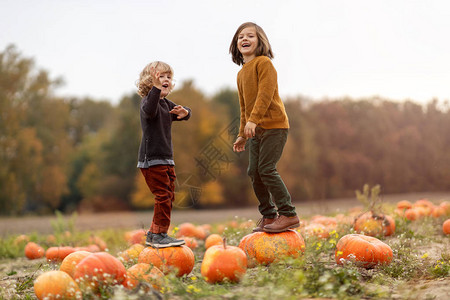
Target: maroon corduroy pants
x: 161, y: 181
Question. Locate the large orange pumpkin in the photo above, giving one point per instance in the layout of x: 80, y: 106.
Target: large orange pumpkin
x: 70, y: 261
x: 57, y: 254
x: 446, y: 226
x: 365, y: 251
x: 222, y: 262
x: 34, y: 251
x: 56, y: 285
x: 373, y: 224
x: 265, y: 248
x: 171, y: 259
x: 99, y: 269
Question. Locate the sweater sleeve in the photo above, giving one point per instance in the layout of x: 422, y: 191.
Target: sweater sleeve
x: 150, y: 102
x: 267, y: 84
x: 242, y: 107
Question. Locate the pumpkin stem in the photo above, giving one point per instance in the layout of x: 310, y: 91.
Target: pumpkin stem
x: 225, y: 243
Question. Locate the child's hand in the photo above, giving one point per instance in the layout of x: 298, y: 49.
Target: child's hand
x: 239, y: 145
x: 249, y: 129
x: 180, y: 111
x: 155, y: 78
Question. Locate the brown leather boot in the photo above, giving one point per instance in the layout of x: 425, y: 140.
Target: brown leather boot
x: 282, y: 223
x: 263, y: 222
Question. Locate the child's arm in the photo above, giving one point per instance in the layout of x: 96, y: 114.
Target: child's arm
x: 150, y: 102
x: 181, y: 112
x: 267, y: 84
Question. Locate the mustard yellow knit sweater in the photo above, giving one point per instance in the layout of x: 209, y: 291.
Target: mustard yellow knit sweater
x: 258, y: 95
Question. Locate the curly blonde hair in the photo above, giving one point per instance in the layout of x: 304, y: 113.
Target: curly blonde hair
x: 145, y: 82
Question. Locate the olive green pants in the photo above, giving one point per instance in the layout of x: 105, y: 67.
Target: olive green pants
x: 265, y: 152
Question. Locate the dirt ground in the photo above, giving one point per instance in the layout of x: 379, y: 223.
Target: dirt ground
x: 142, y: 219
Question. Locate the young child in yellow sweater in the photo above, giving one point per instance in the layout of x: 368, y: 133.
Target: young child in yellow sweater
x: 264, y: 123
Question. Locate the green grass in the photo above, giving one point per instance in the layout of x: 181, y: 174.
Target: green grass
x: 314, y: 274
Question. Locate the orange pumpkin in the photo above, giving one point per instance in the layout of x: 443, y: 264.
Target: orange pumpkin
x: 446, y: 206
x: 190, y: 230
x: 446, y: 226
x: 98, y: 241
x: 317, y: 230
x: 373, y: 224
x: 146, y: 273
x: 265, y: 248
x: 70, y: 261
x: 57, y: 254
x: 137, y: 236
x: 56, y: 285
x: 404, y: 204
x: 34, y: 251
x: 132, y: 252
x: 191, y: 242
x: 21, y: 240
x: 222, y: 262
x: 212, y: 240
x: 438, y: 211
x: 412, y: 214
x: 99, y: 269
x: 365, y: 251
x: 171, y: 259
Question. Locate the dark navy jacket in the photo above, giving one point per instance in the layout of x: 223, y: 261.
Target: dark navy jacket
x: 156, y: 123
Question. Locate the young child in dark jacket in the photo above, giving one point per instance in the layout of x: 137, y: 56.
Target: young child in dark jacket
x: 155, y: 158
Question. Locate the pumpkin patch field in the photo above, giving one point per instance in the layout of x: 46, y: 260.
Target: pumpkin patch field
x: 390, y: 250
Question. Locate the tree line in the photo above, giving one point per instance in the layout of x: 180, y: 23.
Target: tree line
x: 81, y: 154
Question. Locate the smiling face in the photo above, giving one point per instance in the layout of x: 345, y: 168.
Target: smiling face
x: 166, y: 83
x: 247, y: 43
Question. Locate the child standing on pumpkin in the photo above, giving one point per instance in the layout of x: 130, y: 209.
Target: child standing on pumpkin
x: 155, y: 158
x: 264, y: 123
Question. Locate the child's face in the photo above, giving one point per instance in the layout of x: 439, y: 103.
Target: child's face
x: 166, y: 83
x: 247, y: 43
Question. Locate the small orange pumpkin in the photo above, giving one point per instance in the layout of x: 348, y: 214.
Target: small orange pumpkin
x: 34, y: 251
x: 178, y: 259
x: 222, y: 262
x: 57, y: 254
x: 446, y: 226
x: 137, y: 236
x: 212, y: 240
x: 373, y: 224
x: 56, y: 285
x: 404, y: 204
x: 365, y: 251
x: 190, y: 230
x: 265, y: 248
x: 146, y: 273
x: 70, y: 261
x: 132, y: 252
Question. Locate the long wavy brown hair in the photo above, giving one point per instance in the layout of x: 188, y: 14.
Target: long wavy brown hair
x: 145, y: 82
x: 263, y: 48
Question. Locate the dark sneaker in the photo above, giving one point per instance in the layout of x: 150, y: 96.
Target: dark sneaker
x: 263, y: 222
x: 162, y: 240
x: 282, y: 223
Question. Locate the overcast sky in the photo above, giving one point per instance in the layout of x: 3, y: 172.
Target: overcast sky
x: 323, y: 48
